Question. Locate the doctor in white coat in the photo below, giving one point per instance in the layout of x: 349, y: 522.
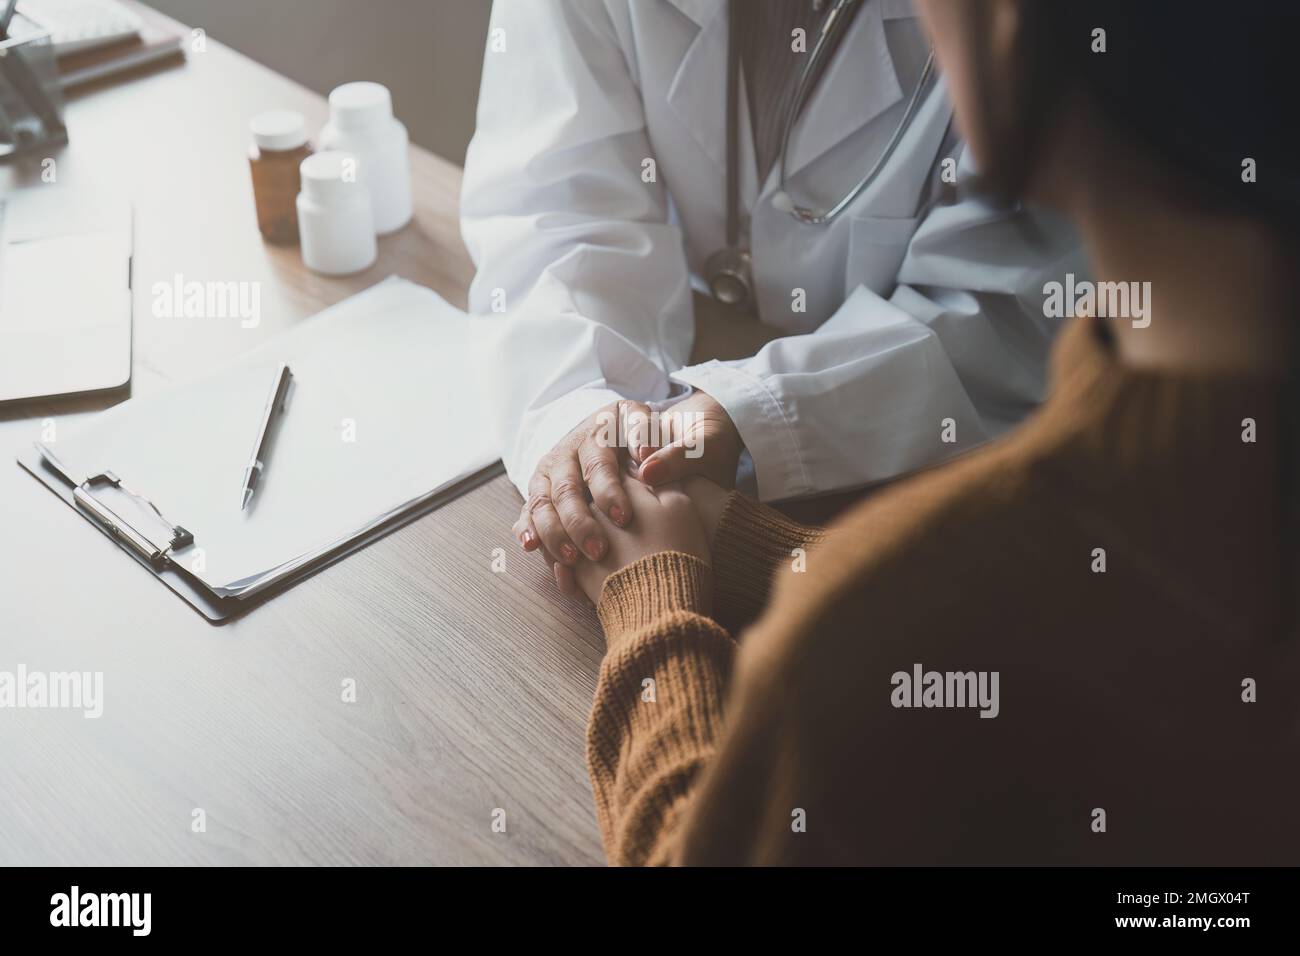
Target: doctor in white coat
x: 595, y: 194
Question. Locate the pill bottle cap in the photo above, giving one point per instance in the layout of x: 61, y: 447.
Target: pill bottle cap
x: 330, y: 174
x: 359, y: 105
x: 278, y: 129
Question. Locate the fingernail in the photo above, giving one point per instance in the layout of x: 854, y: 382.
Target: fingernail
x: 528, y: 539
x: 595, y: 548
x: 567, y: 554
x: 617, y: 516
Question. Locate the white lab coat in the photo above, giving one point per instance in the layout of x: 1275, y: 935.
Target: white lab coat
x: 921, y: 303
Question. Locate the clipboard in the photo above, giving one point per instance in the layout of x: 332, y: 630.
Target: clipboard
x: 388, y: 354
x: 219, y: 610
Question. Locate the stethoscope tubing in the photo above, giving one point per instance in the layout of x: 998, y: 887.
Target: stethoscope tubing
x: 819, y: 217
x: 730, y: 267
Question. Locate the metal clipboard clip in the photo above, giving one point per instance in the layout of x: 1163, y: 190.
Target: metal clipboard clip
x: 154, y: 548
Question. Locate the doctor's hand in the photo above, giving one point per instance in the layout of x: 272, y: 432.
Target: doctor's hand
x: 693, y: 437
x: 586, y: 466
x: 666, y: 520
x: 696, y: 437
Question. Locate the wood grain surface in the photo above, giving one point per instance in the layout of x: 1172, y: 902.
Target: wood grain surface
x: 472, y: 687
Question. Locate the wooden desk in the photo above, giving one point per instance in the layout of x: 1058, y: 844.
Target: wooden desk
x: 473, y: 688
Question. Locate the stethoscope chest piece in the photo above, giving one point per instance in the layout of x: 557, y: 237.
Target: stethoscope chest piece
x: 730, y: 277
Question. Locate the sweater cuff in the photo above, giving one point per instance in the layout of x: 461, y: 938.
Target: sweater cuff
x: 643, y: 592
x: 750, y: 543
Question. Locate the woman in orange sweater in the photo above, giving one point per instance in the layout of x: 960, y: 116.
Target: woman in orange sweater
x: 1077, y: 645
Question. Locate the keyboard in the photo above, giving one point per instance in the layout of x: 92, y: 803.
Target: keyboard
x: 77, y: 25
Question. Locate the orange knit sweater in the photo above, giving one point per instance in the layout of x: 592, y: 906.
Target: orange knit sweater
x: 1064, y: 648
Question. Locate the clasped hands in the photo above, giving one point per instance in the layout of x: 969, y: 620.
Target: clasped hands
x: 596, y: 505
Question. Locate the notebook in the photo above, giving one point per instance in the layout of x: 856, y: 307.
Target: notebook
x: 157, y: 38
x: 382, y: 417
x: 79, y: 24
x: 61, y: 337
x: 97, y: 38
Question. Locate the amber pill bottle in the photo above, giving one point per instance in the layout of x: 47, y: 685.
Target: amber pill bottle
x: 278, y: 149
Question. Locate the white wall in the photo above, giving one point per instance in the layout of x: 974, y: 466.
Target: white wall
x: 428, y: 52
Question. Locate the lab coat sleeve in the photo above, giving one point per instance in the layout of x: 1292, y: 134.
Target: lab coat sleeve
x: 581, y: 294
x: 953, y: 357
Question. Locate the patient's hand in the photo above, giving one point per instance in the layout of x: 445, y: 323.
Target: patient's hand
x: 666, y: 520
x: 710, y: 499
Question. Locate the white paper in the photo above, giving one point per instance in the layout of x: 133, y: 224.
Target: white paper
x: 384, y: 410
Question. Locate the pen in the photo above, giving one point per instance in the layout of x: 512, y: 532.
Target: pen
x: 257, y: 463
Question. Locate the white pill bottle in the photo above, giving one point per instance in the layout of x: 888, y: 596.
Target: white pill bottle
x: 336, y: 227
x: 362, y: 123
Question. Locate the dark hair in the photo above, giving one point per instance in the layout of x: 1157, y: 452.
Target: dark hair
x: 1206, y: 86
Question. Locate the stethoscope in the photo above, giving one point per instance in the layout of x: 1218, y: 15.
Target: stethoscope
x: 729, y: 271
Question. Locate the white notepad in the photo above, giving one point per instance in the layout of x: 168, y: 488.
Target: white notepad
x: 384, y: 412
